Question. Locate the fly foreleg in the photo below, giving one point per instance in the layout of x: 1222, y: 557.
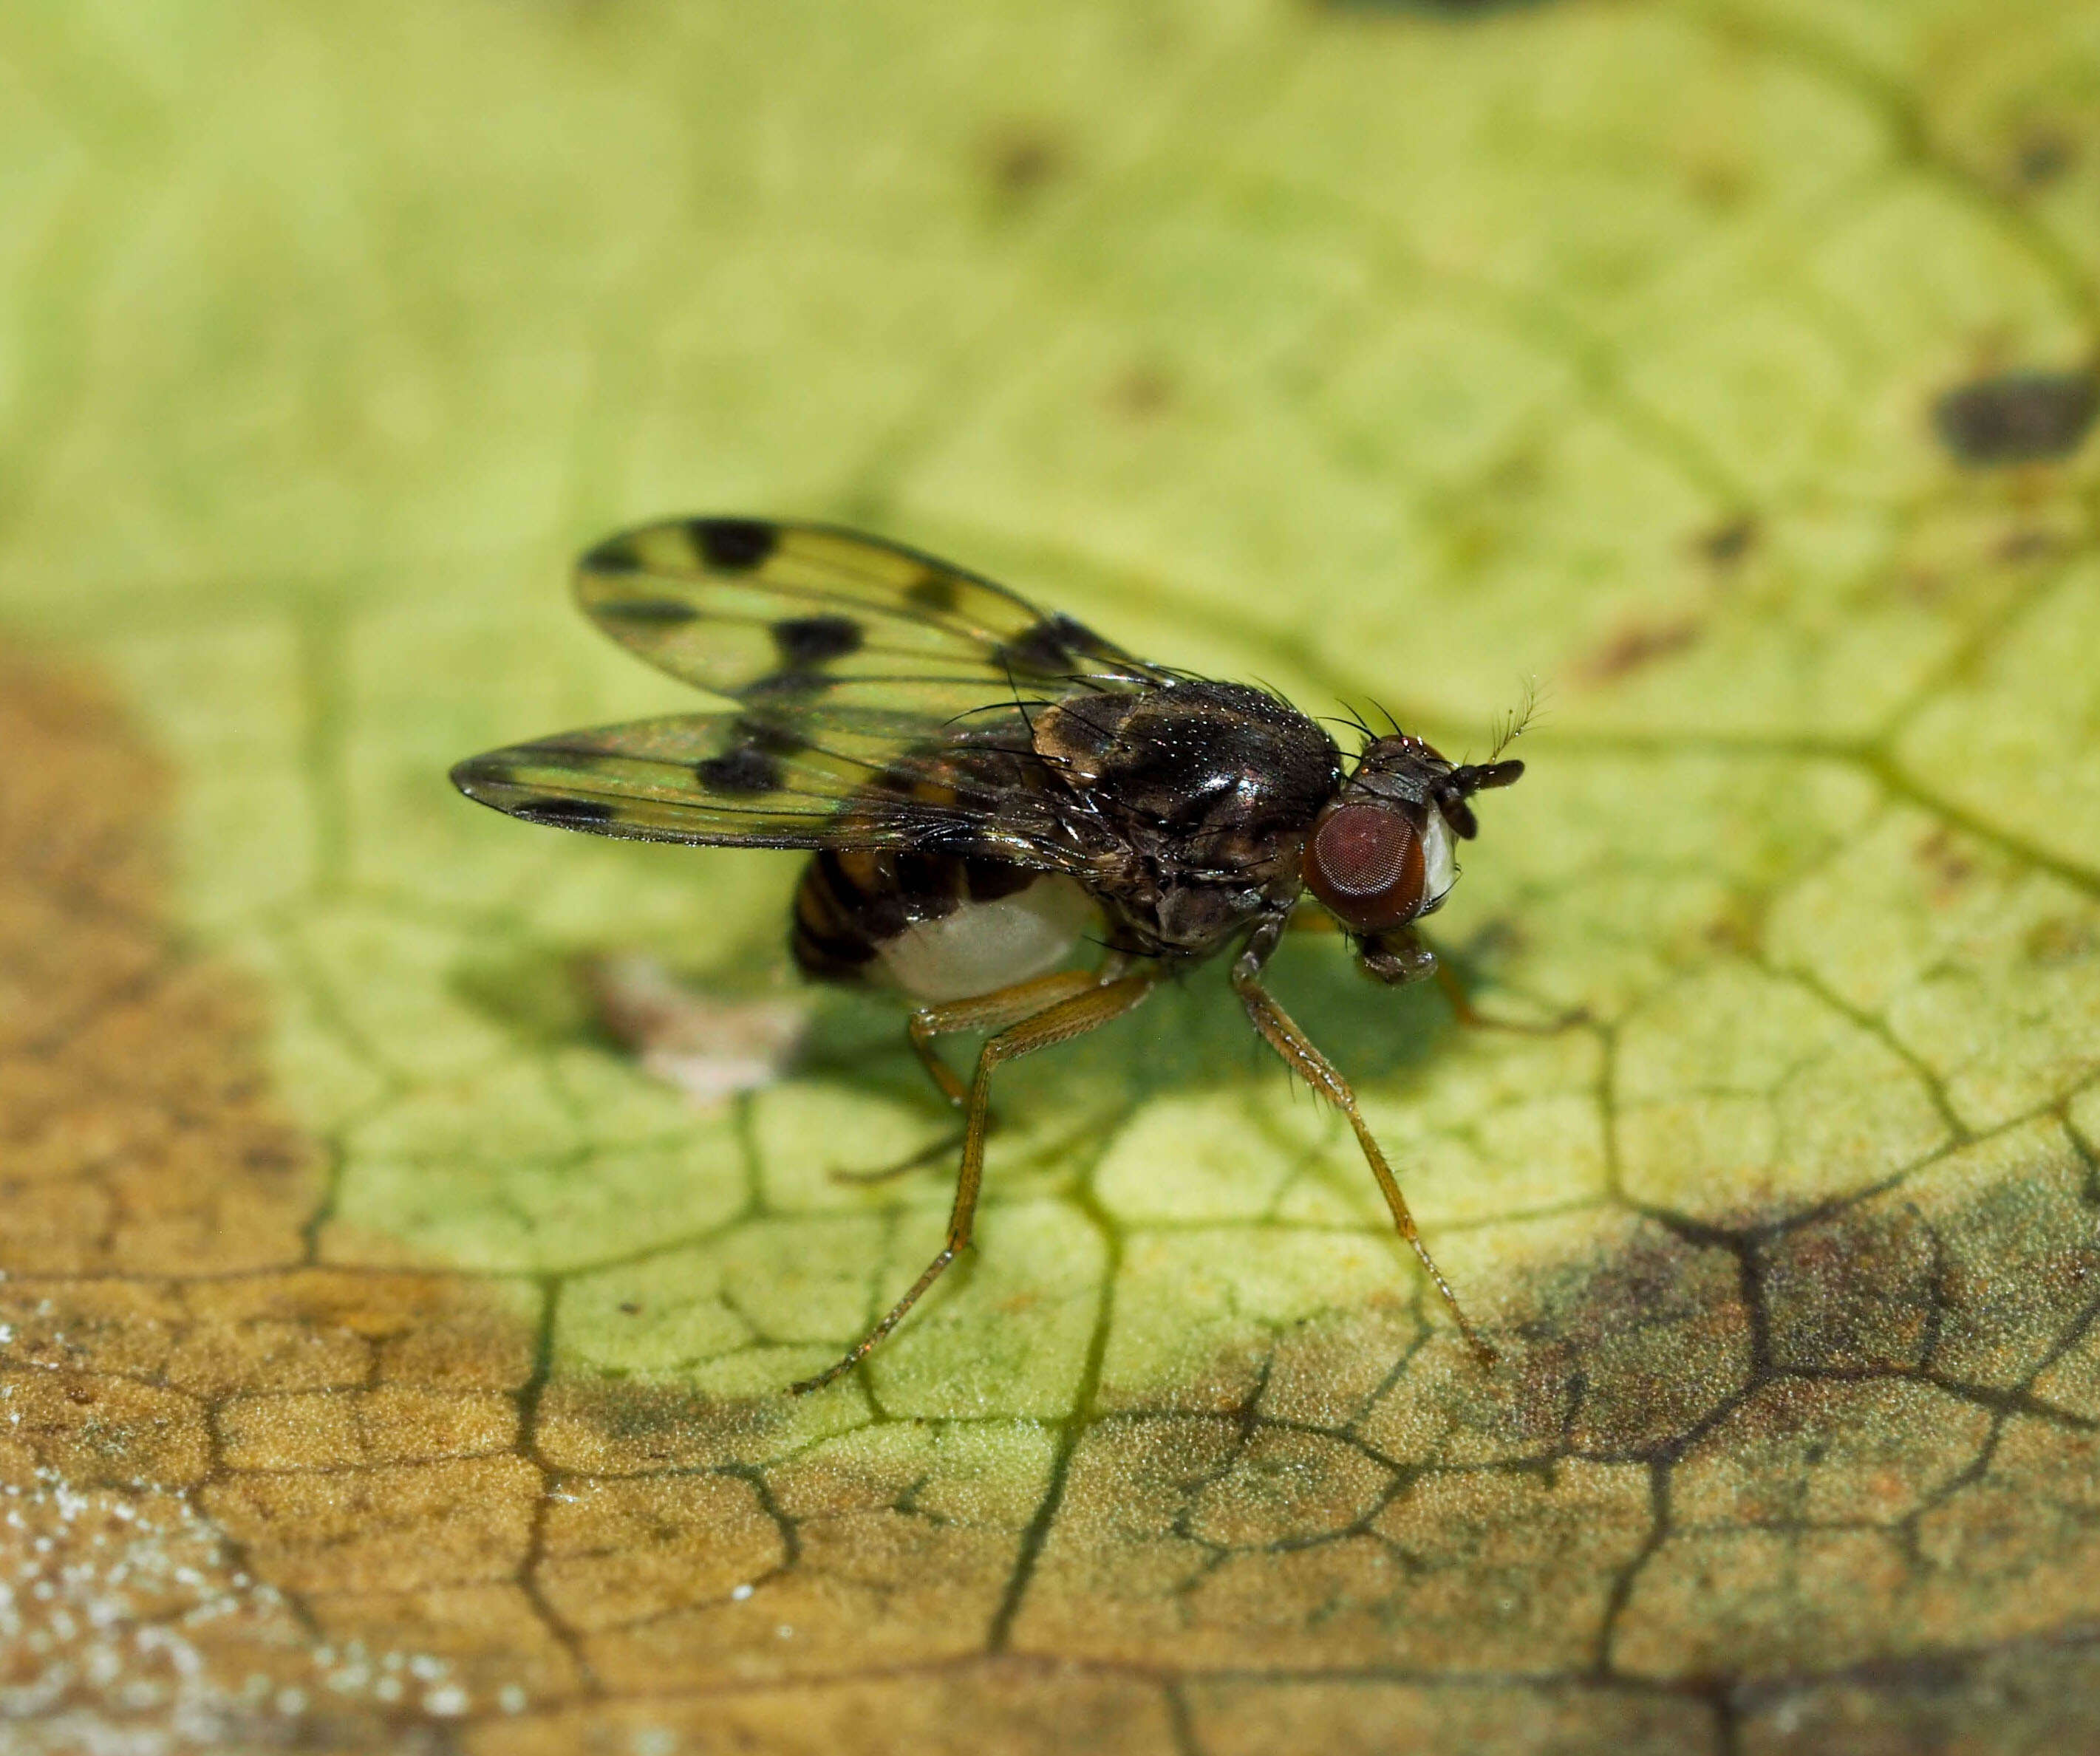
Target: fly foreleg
x: 1281, y: 1033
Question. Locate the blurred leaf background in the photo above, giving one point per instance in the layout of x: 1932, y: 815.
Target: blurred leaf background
x: 393, y: 1364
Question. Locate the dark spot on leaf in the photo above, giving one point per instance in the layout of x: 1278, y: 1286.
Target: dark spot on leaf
x: 1141, y: 393
x: 1949, y: 864
x: 1637, y: 647
x: 1719, y: 186
x: 1440, y: 8
x: 807, y: 640
x: 1023, y: 159
x: 1619, y: 1346
x: 647, y: 611
x: 2019, y: 417
x: 744, y: 770
x: 734, y: 545
x: 1728, y: 543
x: 2044, y: 155
x: 2030, y: 542
x: 551, y: 810
x: 1921, y: 585
x: 629, y: 1307
x: 934, y: 590
x: 1735, y: 926
x: 2063, y: 939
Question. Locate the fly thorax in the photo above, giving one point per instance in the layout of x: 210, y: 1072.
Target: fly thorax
x: 1200, y: 777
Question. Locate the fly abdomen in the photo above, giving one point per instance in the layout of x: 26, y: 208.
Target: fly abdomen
x: 829, y: 940
x: 851, y: 901
x: 938, y: 926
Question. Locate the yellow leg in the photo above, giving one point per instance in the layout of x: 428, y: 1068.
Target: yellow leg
x: 986, y: 1012
x: 982, y: 1012
x: 1061, y: 1020
x: 1282, y: 1034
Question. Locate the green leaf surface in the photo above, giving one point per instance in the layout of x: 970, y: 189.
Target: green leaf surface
x: 422, y: 1355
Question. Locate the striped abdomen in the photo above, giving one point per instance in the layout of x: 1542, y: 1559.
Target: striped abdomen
x: 938, y: 926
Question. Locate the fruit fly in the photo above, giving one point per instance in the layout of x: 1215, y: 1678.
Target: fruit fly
x: 985, y: 788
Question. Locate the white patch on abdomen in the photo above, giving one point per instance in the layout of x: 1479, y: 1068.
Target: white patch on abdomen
x: 987, y: 945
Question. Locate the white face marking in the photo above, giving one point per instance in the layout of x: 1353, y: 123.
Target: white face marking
x: 1438, y: 871
x: 987, y: 945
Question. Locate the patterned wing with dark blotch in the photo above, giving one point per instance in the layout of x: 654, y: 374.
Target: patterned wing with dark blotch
x: 729, y: 780
x: 809, y: 624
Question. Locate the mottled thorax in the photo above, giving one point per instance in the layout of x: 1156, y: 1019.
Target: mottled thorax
x: 1208, y: 789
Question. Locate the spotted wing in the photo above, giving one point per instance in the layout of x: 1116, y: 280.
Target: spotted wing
x: 809, y: 624
x: 726, y: 779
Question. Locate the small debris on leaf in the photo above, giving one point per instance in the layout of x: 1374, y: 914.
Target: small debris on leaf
x: 710, y: 1049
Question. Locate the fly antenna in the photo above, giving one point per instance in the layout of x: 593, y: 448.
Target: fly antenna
x: 1518, y: 719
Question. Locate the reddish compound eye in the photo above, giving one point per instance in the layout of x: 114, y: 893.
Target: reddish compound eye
x: 1365, y: 862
